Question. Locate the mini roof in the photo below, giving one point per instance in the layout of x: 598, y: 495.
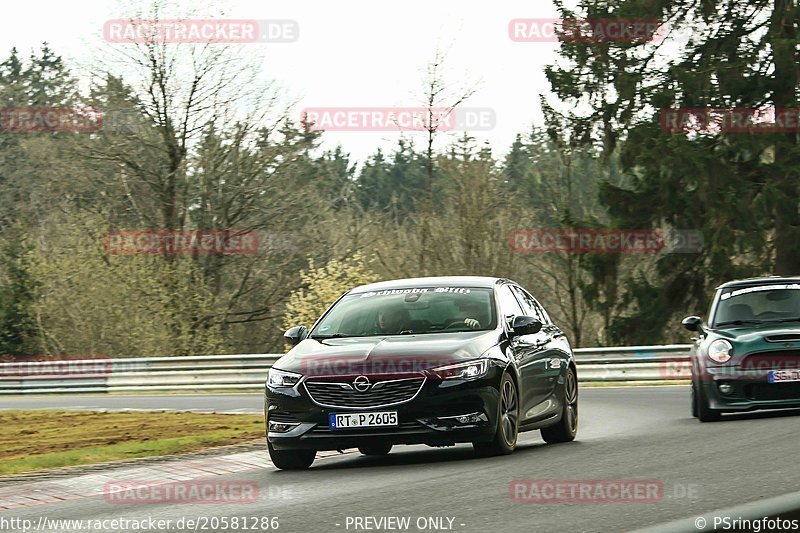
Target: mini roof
x: 770, y: 280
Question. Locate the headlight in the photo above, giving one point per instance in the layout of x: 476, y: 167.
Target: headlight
x: 280, y: 378
x: 720, y: 351
x: 468, y: 370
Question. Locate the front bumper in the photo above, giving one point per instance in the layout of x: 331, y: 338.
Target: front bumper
x: 749, y: 390
x: 431, y: 417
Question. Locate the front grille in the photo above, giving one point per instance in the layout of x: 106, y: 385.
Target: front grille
x: 382, y: 393
x: 773, y: 391
x: 777, y: 360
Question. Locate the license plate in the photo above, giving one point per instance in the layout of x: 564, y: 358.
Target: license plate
x: 780, y: 376
x: 363, y: 420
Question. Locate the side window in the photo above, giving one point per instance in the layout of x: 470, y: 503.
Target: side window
x: 531, y: 306
x: 528, y: 306
x: 547, y: 319
x: 509, y: 306
x: 542, y: 312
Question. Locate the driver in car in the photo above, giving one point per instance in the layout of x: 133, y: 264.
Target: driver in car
x: 467, y: 315
x: 392, y: 320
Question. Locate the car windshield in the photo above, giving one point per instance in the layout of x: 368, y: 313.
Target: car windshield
x: 758, y: 304
x: 409, y: 311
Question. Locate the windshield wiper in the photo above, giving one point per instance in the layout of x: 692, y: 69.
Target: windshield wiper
x: 334, y: 336
x: 738, y: 322
x: 794, y: 319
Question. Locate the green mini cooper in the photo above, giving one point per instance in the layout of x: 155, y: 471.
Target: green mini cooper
x: 748, y: 354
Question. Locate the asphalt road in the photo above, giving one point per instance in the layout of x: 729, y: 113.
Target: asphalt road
x: 624, y: 434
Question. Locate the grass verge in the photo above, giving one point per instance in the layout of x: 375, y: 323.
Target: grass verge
x: 36, y: 440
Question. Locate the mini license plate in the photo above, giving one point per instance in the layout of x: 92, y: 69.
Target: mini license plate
x: 363, y: 420
x: 782, y: 376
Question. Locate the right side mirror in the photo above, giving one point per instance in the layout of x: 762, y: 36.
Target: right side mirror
x: 525, y: 325
x: 296, y: 334
x: 693, y: 323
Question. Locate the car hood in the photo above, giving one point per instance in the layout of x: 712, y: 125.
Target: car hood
x: 385, y: 354
x: 750, y: 338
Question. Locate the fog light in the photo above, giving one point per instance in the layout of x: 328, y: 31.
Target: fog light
x: 280, y: 427
x: 470, y: 418
x: 725, y: 388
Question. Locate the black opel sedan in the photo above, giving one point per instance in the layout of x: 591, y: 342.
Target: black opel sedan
x: 747, y: 356
x: 434, y: 361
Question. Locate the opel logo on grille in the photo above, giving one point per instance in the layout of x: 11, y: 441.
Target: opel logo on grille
x: 361, y: 384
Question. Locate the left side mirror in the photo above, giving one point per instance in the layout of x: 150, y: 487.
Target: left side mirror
x: 693, y: 323
x: 296, y: 334
x: 525, y: 325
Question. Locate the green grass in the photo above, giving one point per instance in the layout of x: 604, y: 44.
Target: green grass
x: 36, y: 440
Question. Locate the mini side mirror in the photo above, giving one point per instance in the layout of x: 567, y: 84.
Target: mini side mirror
x: 693, y: 323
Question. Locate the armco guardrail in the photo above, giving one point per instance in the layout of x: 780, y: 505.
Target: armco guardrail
x: 634, y: 363
x: 248, y: 371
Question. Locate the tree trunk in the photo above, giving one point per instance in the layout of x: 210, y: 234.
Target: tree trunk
x: 787, y: 209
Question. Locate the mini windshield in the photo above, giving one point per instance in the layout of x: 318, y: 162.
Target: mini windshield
x: 757, y: 304
x: 409, y: 311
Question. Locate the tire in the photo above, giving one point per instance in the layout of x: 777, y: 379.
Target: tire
x: 566, y: 428
x: 704, y: 412
x: 375, y: 449
x: 694, y: 400
x: 505, y: 435
x: 291, y: 459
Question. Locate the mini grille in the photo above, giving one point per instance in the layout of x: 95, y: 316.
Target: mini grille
x: 771, y: 360
x: 773, y: 391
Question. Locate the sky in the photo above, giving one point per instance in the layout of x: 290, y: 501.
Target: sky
x: 351, y: 53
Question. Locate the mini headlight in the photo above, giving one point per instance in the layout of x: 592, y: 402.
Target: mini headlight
x: 720, y: 351
x: 280, y: 378
x: 468, y: 370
